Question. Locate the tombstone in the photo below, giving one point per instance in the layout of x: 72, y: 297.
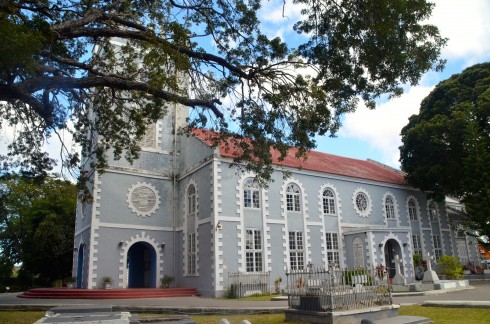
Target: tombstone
x: 398, y: 279
x: 430, y: 276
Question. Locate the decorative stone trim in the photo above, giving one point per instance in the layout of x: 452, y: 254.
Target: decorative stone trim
x: 304, y: 197
x: 146, y: 206
x: 336, y: 198
x: 92, y: 259
x: 395, y: 208
x: 285, y: 246
x: 185, y: 214
x: 417, y: 207
x: 406, y: 257
x: 369, y: 204
x: 123, y: 257
x: 240, y: 232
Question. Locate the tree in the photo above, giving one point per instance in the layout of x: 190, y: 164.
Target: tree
x: 446, y: 147
x: 58, y: 69
x: 37, y: 221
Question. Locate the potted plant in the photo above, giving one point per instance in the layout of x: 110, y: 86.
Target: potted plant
x: 107, y: 280
x: 70, y: 282
x: 166, y: 281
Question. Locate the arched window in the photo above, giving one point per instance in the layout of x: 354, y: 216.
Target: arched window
x: 293, y: 198
x: 412, y: 210
x: 389, y: 207
x: 149, y: 140
x: 358, y: 253
x: 191, y: 200
x: 328, y: 202
x: 251, y: 194
x: 432, y: 212
x: 191, y: 233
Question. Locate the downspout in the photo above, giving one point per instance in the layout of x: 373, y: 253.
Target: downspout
x: 174, y: 194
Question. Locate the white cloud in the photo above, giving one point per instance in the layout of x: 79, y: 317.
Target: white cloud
x: 467, y: 25
x: 381, y: 127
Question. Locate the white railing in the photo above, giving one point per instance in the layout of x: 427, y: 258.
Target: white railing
x: 243, y: 284
x: 338, y: 289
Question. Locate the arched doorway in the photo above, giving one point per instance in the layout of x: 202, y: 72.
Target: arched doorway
x: 141, y: 266
x: 392, y: 248
x: 80, y: 265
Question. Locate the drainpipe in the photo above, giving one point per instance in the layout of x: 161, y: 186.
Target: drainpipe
x: 174, y: 195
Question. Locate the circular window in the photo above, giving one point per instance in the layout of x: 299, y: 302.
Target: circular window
x: 143, y: 199
x: 362, y: 203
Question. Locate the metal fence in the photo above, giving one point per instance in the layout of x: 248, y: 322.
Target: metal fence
x: 243, y: 284
x: 337, y: 289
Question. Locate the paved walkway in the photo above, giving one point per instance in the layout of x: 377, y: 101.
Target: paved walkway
x: 477, y: 296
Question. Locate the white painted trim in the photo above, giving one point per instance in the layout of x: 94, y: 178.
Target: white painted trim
x: 136, y: 227
x: 136, y: 172
x: 276, y: 221
x: 197, y: 167
x: 83, y: 229
x: 123, y: 258
x: 133, y: 208
x: 369, y: 207
x: 93, y: 250
x: 395, y: 208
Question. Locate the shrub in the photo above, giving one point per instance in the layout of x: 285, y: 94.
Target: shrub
x: 355, y: 276
x: 417, y: 259
x: 450, y: 267
x: 167, y: 280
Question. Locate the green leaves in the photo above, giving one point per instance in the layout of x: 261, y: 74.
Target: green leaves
x: 446, y: 147
x: 37, y: 220
x: 109, y: 68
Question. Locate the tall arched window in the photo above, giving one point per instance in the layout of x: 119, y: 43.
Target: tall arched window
x: 412, y: 210
x: 191, y: 233
x: 293, y: 197
x: 149, y: 140
x: 328, y: 202
x: 389, y: 207
x: 432, y: 212
x: 251, y: 194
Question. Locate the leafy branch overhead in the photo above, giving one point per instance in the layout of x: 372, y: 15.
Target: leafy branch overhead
x: 126, y: 62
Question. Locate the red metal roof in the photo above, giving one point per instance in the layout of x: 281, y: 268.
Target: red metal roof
x: 318, y: 161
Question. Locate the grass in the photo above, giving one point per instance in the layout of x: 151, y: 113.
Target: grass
x: 20, y: 317
x: 444, y: 315
x: 439, y: 315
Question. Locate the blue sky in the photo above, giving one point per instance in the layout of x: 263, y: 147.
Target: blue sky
x: 375, y: 134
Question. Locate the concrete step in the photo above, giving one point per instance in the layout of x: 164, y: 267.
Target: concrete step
x: 68, y: 293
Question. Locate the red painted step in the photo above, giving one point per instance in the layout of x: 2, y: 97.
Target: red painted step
x: 116, y: 293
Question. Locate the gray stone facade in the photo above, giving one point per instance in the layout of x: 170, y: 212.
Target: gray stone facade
x: 181, y: 210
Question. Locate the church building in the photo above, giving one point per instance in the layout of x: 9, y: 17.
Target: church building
x: 181, y: 210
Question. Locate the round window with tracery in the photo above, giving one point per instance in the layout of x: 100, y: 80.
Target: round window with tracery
x: 362, y: 203
x: 143, y: 199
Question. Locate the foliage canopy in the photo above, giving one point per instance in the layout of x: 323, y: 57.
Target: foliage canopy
x: 446, y: 147
x: 37, y: 223
x: 242, y: 82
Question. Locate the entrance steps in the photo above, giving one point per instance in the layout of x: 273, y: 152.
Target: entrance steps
x: 115, y: 293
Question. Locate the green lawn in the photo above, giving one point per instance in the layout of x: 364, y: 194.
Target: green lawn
x: 439, y: 315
